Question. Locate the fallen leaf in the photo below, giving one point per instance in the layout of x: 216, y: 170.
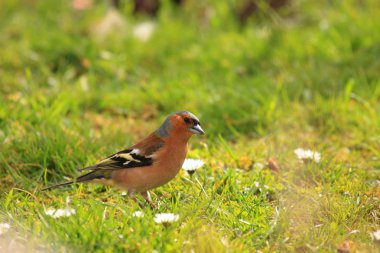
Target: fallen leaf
x: 85, y: 63
x: 273, y: 165
x: 81, y: 4
x: 245, y: 162
x: 346, y: 247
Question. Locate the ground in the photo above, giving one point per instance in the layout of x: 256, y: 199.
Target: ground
x: 78, y: 85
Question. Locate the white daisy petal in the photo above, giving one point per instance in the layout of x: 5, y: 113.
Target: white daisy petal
x: 307, y: 155
x: 58, y: 213
x: 4, y: 227
x: 144, y: 31
x: 376, y: 235
x: 138, y: 214
x: 165, y: 218
x: 258, y: 166
x: 191, y: 165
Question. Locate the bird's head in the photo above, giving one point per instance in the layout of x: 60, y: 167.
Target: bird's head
x: 182, y: 123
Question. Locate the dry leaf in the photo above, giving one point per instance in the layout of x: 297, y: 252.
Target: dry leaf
x: 81, y: 4
x: 273, y: 165
x: 85, y: 63
x: 245, y: 163
x: 346, y: 247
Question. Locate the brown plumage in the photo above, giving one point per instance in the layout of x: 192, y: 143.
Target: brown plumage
x: 150, y: 163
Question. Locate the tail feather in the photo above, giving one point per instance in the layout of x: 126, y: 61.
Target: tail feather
x: 88, y: 168
x: 90, y: 176
x: 57, y: 185
x: 84, y: 178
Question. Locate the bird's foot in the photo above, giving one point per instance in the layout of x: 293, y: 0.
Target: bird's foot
x: 147, y: 197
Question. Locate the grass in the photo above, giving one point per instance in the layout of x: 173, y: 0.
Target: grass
x: 305, y: 77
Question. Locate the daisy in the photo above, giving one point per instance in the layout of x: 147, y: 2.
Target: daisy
x: 4, y: 227
x: 165, y: 218
x: 138, y: 214
x: 144, y: 31
x: 307, y: 155
x: 57, y: 213
x: 376, y: 235
x: 191, y: 165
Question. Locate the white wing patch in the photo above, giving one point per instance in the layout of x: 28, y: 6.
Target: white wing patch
x: 124, y: 159
x: 127, y: 156
x: 135, y: 151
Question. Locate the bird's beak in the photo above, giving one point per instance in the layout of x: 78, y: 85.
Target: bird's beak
x: 196, y: 129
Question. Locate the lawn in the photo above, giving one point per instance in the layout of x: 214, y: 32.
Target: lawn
x: 79, y: 85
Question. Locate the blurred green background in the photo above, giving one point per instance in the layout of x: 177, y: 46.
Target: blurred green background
x: 80, y: 82
x: 198, y: 57
x: 64, y: 68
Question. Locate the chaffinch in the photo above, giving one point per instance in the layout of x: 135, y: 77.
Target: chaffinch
x: 150, y: 163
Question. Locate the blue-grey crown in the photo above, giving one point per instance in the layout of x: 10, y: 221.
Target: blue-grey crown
x: 164, y: 129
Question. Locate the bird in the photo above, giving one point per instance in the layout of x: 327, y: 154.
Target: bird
x: 148, y: 164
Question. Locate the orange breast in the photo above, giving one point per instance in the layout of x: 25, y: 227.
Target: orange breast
x: 164, y: 169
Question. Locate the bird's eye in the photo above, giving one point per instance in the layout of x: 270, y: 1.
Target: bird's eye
x: 187, y: 120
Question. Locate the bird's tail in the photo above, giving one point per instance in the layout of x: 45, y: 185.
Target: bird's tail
x: 84, y: 178
x: 57, y: 185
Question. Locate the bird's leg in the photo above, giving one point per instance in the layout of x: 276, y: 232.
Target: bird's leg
x: 132, y: 196
x: 146, y: 196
